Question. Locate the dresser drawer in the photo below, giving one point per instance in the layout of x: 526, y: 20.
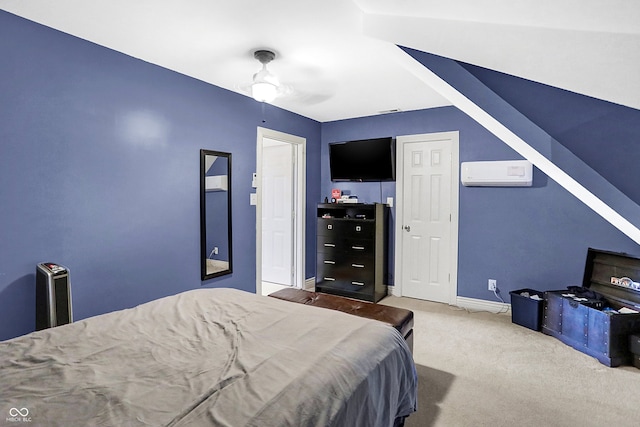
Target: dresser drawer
x: 352, y: 287
x: 326, y: 266
x: 351, y: 227
x: 360, y: 229
x: 359, y: 266
x: 330, y: 227
x: 358, y: 247
x: 330, y: 245
x: 345, y: 266
x: 348, y: 272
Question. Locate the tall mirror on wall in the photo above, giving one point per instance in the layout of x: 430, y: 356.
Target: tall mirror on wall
x: 215, y: 213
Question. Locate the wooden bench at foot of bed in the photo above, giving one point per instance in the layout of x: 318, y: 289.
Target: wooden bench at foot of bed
x: 399, y: 318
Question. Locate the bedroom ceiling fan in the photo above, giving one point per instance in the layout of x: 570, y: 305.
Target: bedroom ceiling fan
x: 266, y: 86
x: 310, y: 86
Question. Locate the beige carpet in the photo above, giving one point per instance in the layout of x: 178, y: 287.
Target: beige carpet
x: 479, y: 369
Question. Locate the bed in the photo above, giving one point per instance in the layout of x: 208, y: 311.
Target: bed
x: 210, y: 357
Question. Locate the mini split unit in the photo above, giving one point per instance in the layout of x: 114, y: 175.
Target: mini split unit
x: 509, y: 173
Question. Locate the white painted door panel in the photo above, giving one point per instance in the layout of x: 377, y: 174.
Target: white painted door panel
x: 426, y: 220
x: 277, y: 213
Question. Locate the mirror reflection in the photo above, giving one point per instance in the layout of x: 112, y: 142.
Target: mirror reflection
x: 215, y: 213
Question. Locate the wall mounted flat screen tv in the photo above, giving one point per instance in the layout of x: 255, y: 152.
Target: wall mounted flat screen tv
x: 363, y: 160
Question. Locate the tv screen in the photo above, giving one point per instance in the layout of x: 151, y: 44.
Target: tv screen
x: 363, y: 160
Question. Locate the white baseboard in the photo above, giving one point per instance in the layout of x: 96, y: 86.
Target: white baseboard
x: 310, y: 284
x: 482, y: 305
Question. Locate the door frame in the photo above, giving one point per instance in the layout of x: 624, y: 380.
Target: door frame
x: 298, y: 242
x: 454, y: 137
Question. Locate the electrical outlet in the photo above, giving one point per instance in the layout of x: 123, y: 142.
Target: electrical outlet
x: 491, y: 285
x: 390, y: 201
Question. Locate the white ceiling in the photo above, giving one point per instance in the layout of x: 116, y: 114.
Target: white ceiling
x: 340, y: 56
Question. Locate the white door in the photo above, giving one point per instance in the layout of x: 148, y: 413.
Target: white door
x: 427, y: 203
x: 280, y: 210
x: 277, y: 212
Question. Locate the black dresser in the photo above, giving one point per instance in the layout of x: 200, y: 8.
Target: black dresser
x: 351, y: 253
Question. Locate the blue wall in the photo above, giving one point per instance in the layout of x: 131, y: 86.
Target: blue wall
x: 99, y: 171
x: 524, y: 237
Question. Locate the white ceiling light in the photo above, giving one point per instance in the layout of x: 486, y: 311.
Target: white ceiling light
x: 265, y: 85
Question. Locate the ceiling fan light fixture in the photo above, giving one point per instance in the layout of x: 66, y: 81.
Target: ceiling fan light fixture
x: 264, y: 91
x: 265, y: 85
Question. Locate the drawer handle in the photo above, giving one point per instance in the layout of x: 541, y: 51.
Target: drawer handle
x: 359, y: 248
x: 331, y: 279
x: 357, y: 265
x: 330, y: 245
x: 358, y: 228
x: 329, y: 262
x: 357, y: 283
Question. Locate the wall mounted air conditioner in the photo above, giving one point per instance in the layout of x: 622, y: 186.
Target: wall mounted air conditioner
x: 509, y: 173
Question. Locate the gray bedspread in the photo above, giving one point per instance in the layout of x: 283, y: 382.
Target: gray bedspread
x: 209, y: 357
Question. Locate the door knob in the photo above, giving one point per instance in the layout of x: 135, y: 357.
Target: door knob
x: 406, y: 227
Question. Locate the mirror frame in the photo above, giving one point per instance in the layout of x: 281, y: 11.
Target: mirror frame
x: 203, y: 217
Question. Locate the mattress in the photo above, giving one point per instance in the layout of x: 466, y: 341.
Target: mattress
x: 210, y: 357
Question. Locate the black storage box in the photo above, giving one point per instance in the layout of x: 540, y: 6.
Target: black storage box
x: 600, y: 333
x: 636, y: 360
x: 634, y: 347
x: 526, y: 311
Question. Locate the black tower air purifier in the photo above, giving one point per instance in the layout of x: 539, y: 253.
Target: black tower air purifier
x: 53, y: 296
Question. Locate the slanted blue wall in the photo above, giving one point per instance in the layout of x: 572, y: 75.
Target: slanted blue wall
x: 99, y: 171
x: 537, y: 138
x: 524, y: 237
x: 602, y: 134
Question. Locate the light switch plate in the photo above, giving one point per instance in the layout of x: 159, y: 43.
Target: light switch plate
x: 253, y: 199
